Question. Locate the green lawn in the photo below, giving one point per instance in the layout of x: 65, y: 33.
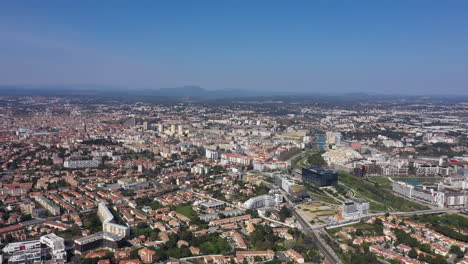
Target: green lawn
x: 382, y: 181
x: 186, y: 210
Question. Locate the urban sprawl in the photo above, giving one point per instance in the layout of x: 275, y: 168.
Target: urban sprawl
x: 122, y: 180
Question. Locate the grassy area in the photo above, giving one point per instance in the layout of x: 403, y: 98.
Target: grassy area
x: 306, y: 159
x: 186, y: 210
x: 299, y: 160
x: 333, y: 230
x: 319, y: 194
x: 364, y: 228
x: 381, y: 199
x: 324, y: 198
x: 377, y: 207
x: 382, y: 181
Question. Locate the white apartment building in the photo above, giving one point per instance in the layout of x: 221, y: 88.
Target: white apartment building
x: 81, y: 164
x: 107, y: 226
x: 435, y: 195
x: 211, y: 154
x: 265, y: 200
x: 47, y: 204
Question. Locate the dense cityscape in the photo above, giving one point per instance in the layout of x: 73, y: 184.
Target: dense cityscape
x: 261, y: 180
x: 234, y: 132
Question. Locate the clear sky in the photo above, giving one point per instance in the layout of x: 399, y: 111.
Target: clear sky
x: 382, y: 46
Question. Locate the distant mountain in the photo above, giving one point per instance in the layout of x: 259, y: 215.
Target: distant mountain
x: 184, y: 91
x: 197, y: 93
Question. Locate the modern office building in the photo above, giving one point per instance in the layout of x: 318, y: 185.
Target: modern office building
x: 99, y: 240
x: 35, y: 251
x: 355, y: 208
x: 56, y: 245
x: 213, y: 204
x: 23, y: 245
x: 319, y: 176
x: 25, y: 252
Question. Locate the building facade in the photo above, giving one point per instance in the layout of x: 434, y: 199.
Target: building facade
x: 320, y: 177
x: 355, y: 208
x: 107, y: 226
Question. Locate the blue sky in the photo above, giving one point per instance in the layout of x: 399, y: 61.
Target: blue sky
x: 381, y: 46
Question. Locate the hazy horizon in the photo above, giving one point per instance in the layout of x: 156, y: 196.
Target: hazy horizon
x: 335, y: 47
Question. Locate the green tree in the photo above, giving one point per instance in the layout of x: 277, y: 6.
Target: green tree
x: 457, y: 251
x: 425, y: 248
x: 26, y: 217
x: 134, y: 254
x: 316, y: 159
x: 412, y: 253
x: 359, y: 232
x: 284, y: 212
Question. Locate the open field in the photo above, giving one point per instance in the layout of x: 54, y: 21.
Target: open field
x: 316, y: 210
x: 186, y: 210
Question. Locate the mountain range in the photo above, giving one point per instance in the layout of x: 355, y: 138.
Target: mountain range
x: 184, y: 91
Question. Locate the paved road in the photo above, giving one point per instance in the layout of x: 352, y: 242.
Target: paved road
x: 322, y: 246
x: 36, y: 221
x: 197, y: 257
x: 307, y: 229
